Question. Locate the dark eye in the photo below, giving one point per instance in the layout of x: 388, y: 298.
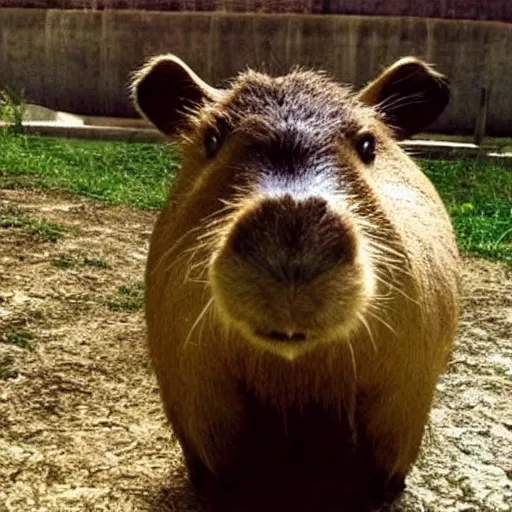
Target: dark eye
x: 214, y: 136
x: 212, y: 142
x: 366, y: 148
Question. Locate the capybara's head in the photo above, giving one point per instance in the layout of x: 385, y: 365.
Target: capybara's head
x: 288, y: 180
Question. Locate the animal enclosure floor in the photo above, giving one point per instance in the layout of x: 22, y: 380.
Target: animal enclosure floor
x: 81, y: 427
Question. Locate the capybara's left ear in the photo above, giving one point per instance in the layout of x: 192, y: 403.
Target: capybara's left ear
x: 410, y: 94
x: 166, y: 89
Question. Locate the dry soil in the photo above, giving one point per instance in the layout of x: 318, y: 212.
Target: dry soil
x: 81, y: 427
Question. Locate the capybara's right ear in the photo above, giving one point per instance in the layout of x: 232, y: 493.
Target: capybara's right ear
x: 166, y: 89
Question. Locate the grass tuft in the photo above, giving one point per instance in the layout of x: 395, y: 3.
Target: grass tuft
x: 21, y: 339
x: 12, y: 108
x: 128, y: 298
x: 96, y: 262
x: 43, y: 231
x: 68, y: 262
x: 64, y: 263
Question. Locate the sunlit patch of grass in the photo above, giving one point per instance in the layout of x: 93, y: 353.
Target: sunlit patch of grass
x: 478, y: 196
x: 131, y: 173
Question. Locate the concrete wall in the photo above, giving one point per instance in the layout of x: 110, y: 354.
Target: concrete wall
x: 80, y: 61
x: 498, y: 10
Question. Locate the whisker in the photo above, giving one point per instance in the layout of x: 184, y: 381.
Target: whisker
x: 197, y: 281
x: 176, y: 261
x: 352, y: 357
x: 174, y: 246
x: 363, y: 320
x: 201, y: 274
x: 381, y: 320
x: 395, y: 288
x: 198, y: 319
x: 203, y: 323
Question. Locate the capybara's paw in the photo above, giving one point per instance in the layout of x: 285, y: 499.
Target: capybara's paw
x: 392, y: 489
x: 199, y: 475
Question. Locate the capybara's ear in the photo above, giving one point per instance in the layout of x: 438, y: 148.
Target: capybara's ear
x: 166, y: 89
x: 410, y: 94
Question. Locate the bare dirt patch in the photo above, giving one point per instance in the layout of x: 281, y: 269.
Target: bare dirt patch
x: 81, y: 426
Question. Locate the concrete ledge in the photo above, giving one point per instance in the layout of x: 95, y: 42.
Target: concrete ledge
x: 112, y: 133
x: 442, y: 149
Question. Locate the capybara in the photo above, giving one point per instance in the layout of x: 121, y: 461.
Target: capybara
x: 302, y: 284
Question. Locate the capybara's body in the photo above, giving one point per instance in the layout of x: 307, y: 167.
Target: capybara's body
x: 301, y: 286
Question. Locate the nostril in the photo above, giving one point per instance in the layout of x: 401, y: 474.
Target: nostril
x: 279, y: 336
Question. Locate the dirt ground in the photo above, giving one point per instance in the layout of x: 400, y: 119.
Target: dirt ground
x: 81, y: 426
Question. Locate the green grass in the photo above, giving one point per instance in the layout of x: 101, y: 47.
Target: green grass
x: 118, y: 172
x: 43, y: 231
x: 21, y: 339
x: 128, y: 298
x: 64, y: 263
x: 478, y: 195
x: 479, y: 199
x: 67, y: 262
x: 96, y: 262
x: 12, y: 108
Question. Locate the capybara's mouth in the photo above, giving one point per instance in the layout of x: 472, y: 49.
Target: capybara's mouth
x: 282, y: 337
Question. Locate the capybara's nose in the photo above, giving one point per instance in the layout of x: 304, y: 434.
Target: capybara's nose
x: 292, y: 241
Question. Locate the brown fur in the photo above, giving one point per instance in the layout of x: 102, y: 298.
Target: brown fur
x: 369, y: 279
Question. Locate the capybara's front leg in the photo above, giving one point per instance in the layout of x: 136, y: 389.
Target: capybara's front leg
x: 207, y: 421
x: 394, y: 426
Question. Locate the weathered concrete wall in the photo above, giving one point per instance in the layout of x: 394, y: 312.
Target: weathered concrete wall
x: 80, y: 61
x: 498, y: 10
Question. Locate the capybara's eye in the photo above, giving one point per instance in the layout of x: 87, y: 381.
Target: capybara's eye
x: 212, y: 142
x: 366, y: 148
